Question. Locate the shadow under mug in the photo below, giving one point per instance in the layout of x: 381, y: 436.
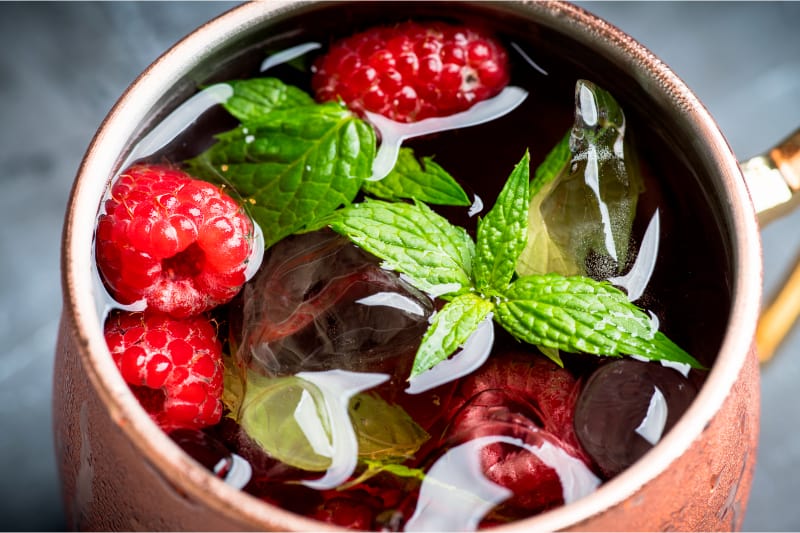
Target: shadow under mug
x: 119, y: 471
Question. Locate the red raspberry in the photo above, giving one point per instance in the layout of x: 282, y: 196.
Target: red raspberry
x: 177, y: 242
x: 174, y: 366
x: 412, y: 71
x: 354, y: 509
x: 525, y: 397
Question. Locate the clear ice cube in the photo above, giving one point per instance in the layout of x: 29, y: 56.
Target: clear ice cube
x: 320, y: 303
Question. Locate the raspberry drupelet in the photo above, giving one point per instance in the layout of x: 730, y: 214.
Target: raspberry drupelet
x: 173, y: 366
x: 412, y: 70
x: 179, y: 243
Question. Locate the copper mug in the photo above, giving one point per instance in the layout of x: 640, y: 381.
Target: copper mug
x: 119, y: 471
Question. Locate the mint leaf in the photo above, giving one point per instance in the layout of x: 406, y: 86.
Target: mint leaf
x: 411, y: 239
x: 254, y: 98
x: 426, y: 182
x: 578, y: 314
x: 385, y: 431
x: 268, y: 416
x: 269, y: 410
x: 295, y: 166
x: 450, y: 329
x: 373, y: 468
x: 396, y: 469
x: 541, y: 255
x: 503, y: 232
x: 554, y: 163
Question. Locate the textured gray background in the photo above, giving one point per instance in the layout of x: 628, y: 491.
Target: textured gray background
x: 62, y: 66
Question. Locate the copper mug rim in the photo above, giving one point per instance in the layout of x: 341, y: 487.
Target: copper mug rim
x: 123, y: 124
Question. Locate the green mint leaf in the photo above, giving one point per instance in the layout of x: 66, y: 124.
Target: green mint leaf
x: 385, y: 431
x: 268, y: 414
x: 578, y: 314
x: 450, y: 329
x: 540, y: 254
x: 502, y: 233
x: 554, y: 164
x: 426, y: 182
x: 254, y: 98
x: 411, y: 239
x: 396, y: 469
x: 295, y: 166
x: 373, y: 468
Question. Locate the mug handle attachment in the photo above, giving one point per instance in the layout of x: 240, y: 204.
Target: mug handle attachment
x: 774, y: 182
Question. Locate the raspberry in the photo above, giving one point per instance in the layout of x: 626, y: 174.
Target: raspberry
x: 525, y: 397
x: 355, y: 509
x: 177, y: 242
x: 174, y: 366
x: 412, y: 71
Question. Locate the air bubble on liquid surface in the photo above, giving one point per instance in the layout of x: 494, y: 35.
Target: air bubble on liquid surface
x: 392, y: 133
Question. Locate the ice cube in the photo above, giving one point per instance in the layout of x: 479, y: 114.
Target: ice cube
x: 625, y: 408
x: 321, y: 303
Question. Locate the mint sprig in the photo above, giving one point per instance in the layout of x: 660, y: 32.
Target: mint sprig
x: 293, y: 161
x: 570, y: 313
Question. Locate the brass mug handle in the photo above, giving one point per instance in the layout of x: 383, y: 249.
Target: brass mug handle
x: 774, y: 182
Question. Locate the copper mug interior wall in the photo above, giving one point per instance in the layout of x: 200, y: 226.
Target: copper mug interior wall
x: 119, y: 471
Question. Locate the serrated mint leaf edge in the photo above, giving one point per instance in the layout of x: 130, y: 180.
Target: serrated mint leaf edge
x: 229, y: 158
x: 532, y: 317
x: 411, y: 239
x: 251, y: 101
x: 450, y: 328
x: 424, y: 181
x: 553, y: 164
x: 502, y: 233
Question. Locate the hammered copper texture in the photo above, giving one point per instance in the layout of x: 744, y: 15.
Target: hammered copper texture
x: 107, y: 483
x: 707, y: 488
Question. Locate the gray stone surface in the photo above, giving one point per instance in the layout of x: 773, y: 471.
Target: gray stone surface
x: 63, y: 65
